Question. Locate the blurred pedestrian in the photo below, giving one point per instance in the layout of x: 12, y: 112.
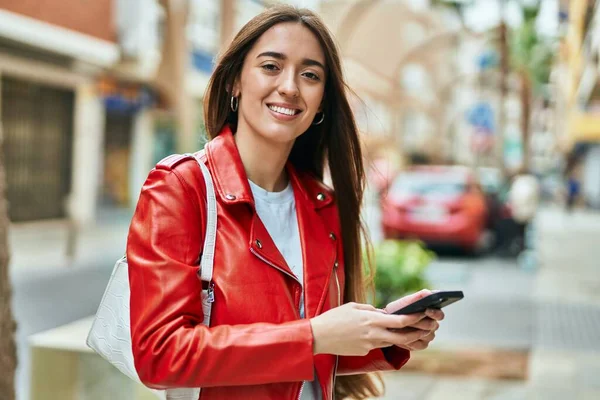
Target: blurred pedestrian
x: 289, y: 291
x: 524, y: 197
x: 573, y: 189
x: 572, y: 173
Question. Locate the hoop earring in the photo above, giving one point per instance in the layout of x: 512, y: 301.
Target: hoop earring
x: 321, y: 120
x: 234, y: 103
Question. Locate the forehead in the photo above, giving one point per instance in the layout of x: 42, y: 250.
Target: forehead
x: 291, y: 38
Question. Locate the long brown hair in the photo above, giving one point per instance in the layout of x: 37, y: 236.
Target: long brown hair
x: 335, y: 142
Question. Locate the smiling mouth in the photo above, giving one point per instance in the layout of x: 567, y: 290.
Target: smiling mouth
x: 284, y: 111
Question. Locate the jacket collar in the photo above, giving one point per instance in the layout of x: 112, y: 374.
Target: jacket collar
x: 231, y: 182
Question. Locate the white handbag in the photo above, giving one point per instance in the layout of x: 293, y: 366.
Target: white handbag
x: 110, y: 334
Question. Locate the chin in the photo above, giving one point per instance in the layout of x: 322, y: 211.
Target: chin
x: 280, y: 133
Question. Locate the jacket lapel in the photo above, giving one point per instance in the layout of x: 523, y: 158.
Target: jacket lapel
x: 263, y: 247
x: 319, y: 248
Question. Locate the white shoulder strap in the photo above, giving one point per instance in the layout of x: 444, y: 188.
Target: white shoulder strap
x: 206, y: 269
x: 208, y: 253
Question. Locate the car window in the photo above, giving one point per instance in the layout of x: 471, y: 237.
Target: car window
x: 428, y: 185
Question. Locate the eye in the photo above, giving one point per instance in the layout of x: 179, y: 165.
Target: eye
x: 270, y: 67
x: 312, y: 76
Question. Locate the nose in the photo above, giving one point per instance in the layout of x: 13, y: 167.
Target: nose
x: 288, y: 86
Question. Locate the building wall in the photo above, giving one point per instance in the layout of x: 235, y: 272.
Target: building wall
x: 141, y: 153
x: 582, y: 121
x: 88, y: 127
x: 591, y: 177
x: 94, y: 18
x: 36, y: 116
x: 88, y: 153
x: 582, y: 125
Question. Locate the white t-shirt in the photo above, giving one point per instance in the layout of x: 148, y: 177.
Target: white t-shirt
x: 277, y: 211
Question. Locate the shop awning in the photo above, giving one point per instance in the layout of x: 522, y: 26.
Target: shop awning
x: 585, y: 127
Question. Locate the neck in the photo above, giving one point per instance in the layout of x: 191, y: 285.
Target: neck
x: 264, y: 161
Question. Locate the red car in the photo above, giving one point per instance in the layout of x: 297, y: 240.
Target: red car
x: 439, y: 205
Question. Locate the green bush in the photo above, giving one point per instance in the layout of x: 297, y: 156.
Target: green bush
x: 399, y: 269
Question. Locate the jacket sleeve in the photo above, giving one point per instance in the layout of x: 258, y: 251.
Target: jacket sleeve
x: 171, y: 346
x: 387, y: 359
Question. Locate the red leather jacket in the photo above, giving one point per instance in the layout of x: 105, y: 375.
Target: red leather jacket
x: 257, y: 347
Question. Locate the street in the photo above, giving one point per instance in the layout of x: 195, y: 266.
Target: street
x: 48, y: 289
x: 497, y: 310
x: 550, y: 314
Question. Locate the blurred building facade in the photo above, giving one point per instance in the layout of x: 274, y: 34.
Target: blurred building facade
x: 426, y: 82
x: 92, y: 95
x: 579, y: 98
x: 53, y: 118
x: 399, y: 58
x: 121, y: 85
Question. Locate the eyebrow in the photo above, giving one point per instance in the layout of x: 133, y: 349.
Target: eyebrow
x: 281, y: 56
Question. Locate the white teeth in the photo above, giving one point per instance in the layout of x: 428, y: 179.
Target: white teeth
x: 282, y: 110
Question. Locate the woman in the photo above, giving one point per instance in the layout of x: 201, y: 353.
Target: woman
x: 288, y: 250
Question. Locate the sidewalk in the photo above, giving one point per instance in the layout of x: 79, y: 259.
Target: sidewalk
x: 49, y: 289
x: 42, y: 246
x: 555, y: 317
x: 565, y: 361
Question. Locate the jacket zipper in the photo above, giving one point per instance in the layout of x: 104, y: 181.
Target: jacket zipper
x: 291, y: 276
x: 301, y: 389
x: 337, y: 358
x: 274, y: 266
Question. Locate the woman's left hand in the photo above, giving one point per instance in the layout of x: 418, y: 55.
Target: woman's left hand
x: 430, y: 324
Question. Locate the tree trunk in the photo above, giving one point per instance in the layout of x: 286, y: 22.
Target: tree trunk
x: 8, y: 350
x: 227, y: 22
x: 526, y: 95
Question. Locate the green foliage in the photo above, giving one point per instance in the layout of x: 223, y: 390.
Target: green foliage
x: 399, y: 269
x: 455, y: 5
x: 530, y: 9
x: 529, y: 52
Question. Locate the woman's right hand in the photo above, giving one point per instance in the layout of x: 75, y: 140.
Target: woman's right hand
x: 355, y: 329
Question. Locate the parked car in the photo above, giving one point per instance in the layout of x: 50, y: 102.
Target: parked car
x: 438, y: 205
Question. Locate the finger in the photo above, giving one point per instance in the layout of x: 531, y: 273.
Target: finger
x: 438, y: 315
x: 418, y: 345
x: 426, y: 324
x: 406, y: 336
x: 429, y: 338
x: 406, y: 300
x: 422, y: 343
x: 392, y: 321
x: 409, y: 330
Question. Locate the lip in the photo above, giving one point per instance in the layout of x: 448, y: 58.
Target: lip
x: 284, y: 117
